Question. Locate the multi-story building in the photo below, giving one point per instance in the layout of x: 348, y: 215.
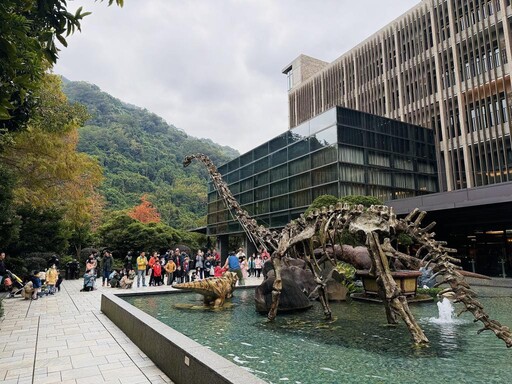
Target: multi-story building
x: 445, y: 65
x: 340, y: 152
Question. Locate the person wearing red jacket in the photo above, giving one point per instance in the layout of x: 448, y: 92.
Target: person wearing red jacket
x: 157, y: 274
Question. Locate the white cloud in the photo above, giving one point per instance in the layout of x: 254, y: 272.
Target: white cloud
x: 213, y: 68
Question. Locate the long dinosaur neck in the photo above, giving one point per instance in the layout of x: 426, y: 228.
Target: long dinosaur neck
x: 259, y: 235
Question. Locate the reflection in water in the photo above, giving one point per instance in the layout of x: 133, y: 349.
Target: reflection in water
x: 357, y: 346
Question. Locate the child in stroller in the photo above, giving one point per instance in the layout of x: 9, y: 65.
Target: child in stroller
x: 89, y: 279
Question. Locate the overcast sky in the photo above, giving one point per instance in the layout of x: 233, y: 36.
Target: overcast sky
x: 213, y: 67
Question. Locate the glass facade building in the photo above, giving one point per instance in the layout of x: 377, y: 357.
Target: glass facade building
x: 339, y: 152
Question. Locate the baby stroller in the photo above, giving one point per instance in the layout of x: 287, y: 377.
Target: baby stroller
x: 16, y: 284
x: 89, y: 280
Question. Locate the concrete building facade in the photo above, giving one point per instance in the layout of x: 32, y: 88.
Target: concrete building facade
x: 445, y: 65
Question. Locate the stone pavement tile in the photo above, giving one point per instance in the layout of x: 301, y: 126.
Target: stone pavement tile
x: 100, y: 350
x: 84, y: 343
x: 71, y: 351
x: 118, y: 357
x: 140, y: 379
x: 110, y: 366
x: 98, y: 379
x: 47, y: 379
x: 10, y: 381
x: 122, y: 373
x: 52, y: 362
x: 152, y: 370
x: 87, y: 360
x: 80, y: 373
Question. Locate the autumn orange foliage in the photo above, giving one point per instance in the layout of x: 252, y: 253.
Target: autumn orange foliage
x: 145, y: 212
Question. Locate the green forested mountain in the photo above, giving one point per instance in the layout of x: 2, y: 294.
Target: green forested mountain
x: 141, y: 153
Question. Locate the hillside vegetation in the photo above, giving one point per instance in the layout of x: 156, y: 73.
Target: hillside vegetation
x: 142, y: 154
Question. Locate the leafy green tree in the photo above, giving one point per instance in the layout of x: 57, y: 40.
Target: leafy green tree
x: 367, y: 201
x: 29, y: 30
x: 121, y: 233
x: 322, y: 201
x: 41, y: 230
x: 9, y: 221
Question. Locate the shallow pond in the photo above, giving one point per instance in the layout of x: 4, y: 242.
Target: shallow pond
x: 356, y: 347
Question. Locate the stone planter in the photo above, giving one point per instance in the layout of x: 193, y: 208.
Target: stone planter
x: 406, y: 280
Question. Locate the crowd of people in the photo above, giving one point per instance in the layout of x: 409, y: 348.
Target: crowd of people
x: 40, y: 282
x: 169, y: 268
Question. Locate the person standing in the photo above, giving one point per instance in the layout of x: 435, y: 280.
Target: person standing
x: 152, y: 260
x: 91, y: 264
x: 107, y: 267
x: 244, y: 267
x: 258, y: 265
x: 252, y: 272
x: 200, y: 264
x: 157, y: 273
x: 51, y: 279
x: 127, y: 263
x: 170, y: 268
x: 3, y: 270
x: 208, y: 266
x: 142, y: 262
x: 233, y: 265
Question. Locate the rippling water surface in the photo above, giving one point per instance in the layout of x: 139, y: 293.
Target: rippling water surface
x: 355, y: 347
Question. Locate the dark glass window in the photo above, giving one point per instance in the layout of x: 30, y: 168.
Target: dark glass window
x: 279, y: 173
x: 300, y: 199
x: 300, y: 165
x: 278, y: 143
x: 278, y: 158
x: 261, y: 193
x: 300, y: 182
x: 298, y: 149
x: 324, y: 175
x: 279, y: 188
x: 260, y: 151
x: 279, y: 203
x: 351, y: 136
x: 261, y: 165
x: 325, y: 156
x: 261, y: 179
x: 246, y: 159
x: 246, y: 171
x: 246, y: 198
x: 233, y: 177
x: 234, y: 164
x: 330, y: 189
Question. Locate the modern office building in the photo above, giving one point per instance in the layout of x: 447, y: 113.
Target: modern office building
x: 340, y: 152
x: 445, y: 65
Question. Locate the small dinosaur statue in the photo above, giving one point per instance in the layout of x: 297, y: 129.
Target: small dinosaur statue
x: 214, y: 289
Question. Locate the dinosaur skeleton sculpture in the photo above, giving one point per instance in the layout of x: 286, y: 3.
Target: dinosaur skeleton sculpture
x: 379, y: 227
x: 215, y: 290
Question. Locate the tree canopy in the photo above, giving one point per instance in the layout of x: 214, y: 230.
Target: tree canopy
x: 29, y: 32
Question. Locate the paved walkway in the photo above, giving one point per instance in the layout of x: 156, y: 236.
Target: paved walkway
x: 64, y: 338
